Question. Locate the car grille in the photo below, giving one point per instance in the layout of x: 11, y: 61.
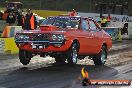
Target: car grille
x: 40, y: 37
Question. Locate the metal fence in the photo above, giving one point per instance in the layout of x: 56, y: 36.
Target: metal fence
x: 2, y: 46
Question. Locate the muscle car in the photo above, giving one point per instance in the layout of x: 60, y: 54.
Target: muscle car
x: 66, y: 38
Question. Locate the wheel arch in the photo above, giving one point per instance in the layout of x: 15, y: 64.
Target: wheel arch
x: 104, y: 44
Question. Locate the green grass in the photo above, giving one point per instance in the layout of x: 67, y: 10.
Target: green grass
x: 46, y: 13
x: 1, y: 8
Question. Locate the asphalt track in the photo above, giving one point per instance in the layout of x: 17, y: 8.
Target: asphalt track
x: 44, y: 73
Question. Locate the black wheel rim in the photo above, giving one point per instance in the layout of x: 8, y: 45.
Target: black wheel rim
x: 74, y: 54
x: 103, y: 56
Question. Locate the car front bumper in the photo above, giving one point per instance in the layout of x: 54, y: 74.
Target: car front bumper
x: 44, y: 46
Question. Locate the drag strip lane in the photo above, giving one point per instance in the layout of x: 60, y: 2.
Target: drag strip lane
x: 42, y: 73
x: 51, y: 76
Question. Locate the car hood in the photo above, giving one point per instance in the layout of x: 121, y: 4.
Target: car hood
x: 47, y: 29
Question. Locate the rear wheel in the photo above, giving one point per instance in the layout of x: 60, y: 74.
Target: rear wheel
x: 101, y: 57
x: 72, y: 54
x: 25, y: 57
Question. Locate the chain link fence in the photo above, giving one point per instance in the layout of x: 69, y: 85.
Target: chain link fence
x: 2, y: 46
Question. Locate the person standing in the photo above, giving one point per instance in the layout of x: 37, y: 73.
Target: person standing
x: 103, y: 22
x: 11, y: 18
x: 73, y: 13
x: 19, y: 18
x: 29, y: 21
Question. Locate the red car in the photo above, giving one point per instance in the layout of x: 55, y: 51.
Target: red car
x: 65, y: 37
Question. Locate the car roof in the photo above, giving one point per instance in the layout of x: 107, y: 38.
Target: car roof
x: 89, y: 18
x: 64, y: 16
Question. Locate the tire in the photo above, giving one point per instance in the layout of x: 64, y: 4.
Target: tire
x: 59, y: 59
x: 101, y: 57
x: 72, y: 55
x: 25, y: 57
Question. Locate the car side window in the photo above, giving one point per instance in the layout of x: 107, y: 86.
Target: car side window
x: 85, y: 25
x: 93, y: 27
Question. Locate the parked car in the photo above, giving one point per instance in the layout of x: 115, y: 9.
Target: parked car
x: 65, y: 38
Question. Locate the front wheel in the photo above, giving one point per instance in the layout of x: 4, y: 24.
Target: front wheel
x: 25, y: 57
x: 72, y: 54
x: 101, y: 57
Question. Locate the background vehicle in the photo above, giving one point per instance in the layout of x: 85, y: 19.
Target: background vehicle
x: 65, y: 37
x: 12, y: 6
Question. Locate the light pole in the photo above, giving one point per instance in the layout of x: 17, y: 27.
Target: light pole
x: 90, y: 5
x: 40, y: 4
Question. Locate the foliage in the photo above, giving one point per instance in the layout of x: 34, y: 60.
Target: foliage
x: 68, y: 5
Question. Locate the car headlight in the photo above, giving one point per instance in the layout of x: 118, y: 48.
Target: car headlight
x: 21, y: 37
x: 58, y: 37
x: 54, y: 37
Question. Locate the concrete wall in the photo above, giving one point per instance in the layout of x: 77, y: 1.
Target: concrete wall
x: 116, y: 21
x: 115, y: 18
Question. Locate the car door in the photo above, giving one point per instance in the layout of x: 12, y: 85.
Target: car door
x: 96, y: 34
x: 85, y: 38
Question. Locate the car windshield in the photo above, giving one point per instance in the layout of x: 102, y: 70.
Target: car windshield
x: 62, y: 22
